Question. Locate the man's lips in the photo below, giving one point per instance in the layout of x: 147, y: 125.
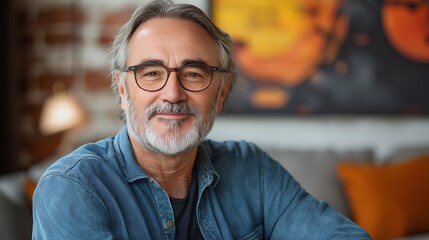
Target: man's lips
x: 172, y: 115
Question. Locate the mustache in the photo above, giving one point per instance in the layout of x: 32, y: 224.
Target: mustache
x: 180, y: 107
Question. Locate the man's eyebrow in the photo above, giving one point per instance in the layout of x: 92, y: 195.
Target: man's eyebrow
x: 151, y: 61
x: 191, y: 61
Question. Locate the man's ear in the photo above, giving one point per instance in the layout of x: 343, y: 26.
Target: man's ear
x: 121, y: 89
x: 224, y: 92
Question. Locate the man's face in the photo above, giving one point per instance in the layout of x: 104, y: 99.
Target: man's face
x: 171, y: 120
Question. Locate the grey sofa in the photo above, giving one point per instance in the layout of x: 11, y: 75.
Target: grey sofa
x: 15, y: 208
x: 15, y: 213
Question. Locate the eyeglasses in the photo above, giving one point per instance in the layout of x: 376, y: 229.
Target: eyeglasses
x: 153, y: 76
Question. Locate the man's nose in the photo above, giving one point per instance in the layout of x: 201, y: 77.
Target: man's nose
x: 173, y: 91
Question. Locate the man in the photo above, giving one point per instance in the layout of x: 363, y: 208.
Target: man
x: 158, y: 178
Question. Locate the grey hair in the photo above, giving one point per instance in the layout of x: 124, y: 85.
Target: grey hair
x: 167, y: 8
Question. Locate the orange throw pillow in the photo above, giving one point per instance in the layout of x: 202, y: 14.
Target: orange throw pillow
x: 388, y: 200
x: 29, y: 187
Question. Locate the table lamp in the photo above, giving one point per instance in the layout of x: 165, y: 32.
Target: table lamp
x: 61, y: 112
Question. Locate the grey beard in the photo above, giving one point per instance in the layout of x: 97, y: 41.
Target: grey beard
x: 173, y: 141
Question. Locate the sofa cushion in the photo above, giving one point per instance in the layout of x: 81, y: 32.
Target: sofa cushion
x: 315, y: 171
x: 407, y: 152
x: 11, y: 187
x: 389, y: 200
x: 422, y: 236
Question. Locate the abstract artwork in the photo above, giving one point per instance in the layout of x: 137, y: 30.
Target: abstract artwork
x: 327, y: 56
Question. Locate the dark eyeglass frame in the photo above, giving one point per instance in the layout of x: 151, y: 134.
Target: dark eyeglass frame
x: 212, y: 69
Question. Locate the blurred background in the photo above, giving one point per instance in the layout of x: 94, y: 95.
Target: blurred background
x: 329, y: 92
x: 58, y: 49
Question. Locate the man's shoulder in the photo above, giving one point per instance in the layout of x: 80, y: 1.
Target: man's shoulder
x: 88, y: 156
x: 230, y: 145
x: 233, y: 150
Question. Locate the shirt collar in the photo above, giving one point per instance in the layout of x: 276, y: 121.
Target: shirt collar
x: 126, y: 158
x: 128, y: 162
x: 206, y: 171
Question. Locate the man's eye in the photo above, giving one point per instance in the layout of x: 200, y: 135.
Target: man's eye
x: 192, y: 75
x: 151, y: 74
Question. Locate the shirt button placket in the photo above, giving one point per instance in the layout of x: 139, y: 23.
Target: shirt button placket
x: 164, y: 208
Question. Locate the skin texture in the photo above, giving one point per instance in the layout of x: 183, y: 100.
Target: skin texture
x: 172, y: 42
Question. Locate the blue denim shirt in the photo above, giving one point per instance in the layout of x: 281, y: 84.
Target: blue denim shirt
x: 99, y: 192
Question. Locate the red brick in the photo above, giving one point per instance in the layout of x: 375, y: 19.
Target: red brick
x: 106, y: 37
x: 117, y: 18
x: 61, y: 15
x: 97, y: 80
x: 111, y: 22
x: 65, y: 38
x: 46, y: 81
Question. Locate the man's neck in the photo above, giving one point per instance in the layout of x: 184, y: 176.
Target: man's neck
x: 173, y: 173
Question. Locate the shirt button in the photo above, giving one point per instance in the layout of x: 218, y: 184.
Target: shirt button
x: 150, y: 180
x: 170, y: 223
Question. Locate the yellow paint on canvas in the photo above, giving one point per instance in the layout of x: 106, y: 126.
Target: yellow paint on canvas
x: 266, y: 27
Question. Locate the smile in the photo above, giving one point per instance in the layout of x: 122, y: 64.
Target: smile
x: 173, y: 115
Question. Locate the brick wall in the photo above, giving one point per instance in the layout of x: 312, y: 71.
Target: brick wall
x: 63, y: 41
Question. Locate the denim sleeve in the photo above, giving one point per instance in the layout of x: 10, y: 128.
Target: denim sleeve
x: 65, y: 209
x: 291, y: 213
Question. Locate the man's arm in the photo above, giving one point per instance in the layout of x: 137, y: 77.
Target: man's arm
x: 65, y: 209
x: 289, y: 211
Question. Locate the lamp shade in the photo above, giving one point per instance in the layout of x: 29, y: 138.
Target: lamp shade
x: 60, y: 112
